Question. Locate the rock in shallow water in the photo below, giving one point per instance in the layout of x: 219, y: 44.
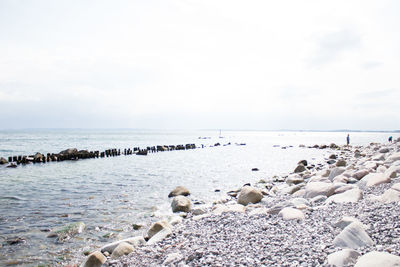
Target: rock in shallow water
x: 181, y: 203
x: 179, y: 191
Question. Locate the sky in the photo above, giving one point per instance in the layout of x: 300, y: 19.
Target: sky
x: 200, y: 64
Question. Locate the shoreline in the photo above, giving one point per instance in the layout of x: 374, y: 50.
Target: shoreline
x: 296, y: 207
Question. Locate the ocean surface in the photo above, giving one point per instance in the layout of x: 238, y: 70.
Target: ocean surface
x: 111, y: 194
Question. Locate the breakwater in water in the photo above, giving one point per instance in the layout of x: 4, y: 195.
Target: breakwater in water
x: 75, y: 154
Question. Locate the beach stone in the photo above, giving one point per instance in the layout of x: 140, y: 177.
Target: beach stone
x: 342, y: 258
x: 341, y: 163
x: 133, y: 241
x: 371, y: 165
x: 299, y: 201
x: 381, y: 169
x: 393, y: 157
x: 332, y: 156
x: 179, y: 191
x: 289, y: 213
x: 343, y: 188
x: 340, y: 179
x: 258, y: 211
x: 353, y: 236
x: 384, y: 150
x: 324, y: 173
x: 319, y: 188
x: 157, y: 227
x: 390, y: 195
x: 219, y: 208
x: 181, y: 203
x: 392, y: 171
x: 375, y: 179
x: 294, y: 179
x: 175, y: 220
x: 301, y: 193
x: 349, y: 196
x: 3, y: 161
x: 69, y: 231
x: 122, y: 249
x: 199, y: 210
x: 345, y: 221
x: 335, y: 172
x: 172, y: 258
x: 248, y: 195
x: 303, y: 162
x: 292, y: 189
x: 378, y: 157
x: 360, y: 174
x: 375, y: 258
x: 300, y: 168
x: 159, y: 236
x: 318, y: 199
x: 96, y: 259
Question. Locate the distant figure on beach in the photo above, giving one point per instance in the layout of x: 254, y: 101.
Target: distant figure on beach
x: 390, y: 139
x: 348, y: 139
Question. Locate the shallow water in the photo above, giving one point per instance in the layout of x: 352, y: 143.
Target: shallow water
x: 110, y: 194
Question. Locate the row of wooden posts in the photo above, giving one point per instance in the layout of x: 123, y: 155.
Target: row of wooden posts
x: 74, y: 154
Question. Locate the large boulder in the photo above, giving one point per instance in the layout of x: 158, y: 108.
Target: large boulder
x: 353, y: 236
x: 157, y: 227
x: 319, y: 188
x: 179, y: 191
x: 122, y: 249
x: 381, y: 259
x: 248, y: 195
x: 342, y: 258
x: 96, y: 259
x: 181, y: 203
x: 375, y: 179
x: 349, y: 196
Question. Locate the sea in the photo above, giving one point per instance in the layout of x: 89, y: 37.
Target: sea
x: 110, y: 195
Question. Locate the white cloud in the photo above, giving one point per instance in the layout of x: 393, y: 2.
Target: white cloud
x: 245, y: 64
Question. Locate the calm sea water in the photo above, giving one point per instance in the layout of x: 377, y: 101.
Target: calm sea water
x: 111, y: 194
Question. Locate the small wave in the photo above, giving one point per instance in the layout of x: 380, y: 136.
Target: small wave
x: 12, y: 198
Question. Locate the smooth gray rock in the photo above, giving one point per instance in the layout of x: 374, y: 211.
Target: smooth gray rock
x: 345, y: 221
x: 349, y: 196
x: 159, y: 236
x: 319, y: 188
x: 335, y: 172
x: 353, y: 236
x: 157, y: 227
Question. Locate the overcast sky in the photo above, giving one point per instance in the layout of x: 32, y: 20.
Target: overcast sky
x: 200, y: 64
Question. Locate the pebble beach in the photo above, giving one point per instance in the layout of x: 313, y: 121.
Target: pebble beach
x: 343, y: 212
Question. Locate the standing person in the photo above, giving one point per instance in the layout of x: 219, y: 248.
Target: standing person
x: 348, y: 139
x: 390, y: 139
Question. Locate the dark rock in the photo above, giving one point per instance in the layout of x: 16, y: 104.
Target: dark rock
x: 303, y: 162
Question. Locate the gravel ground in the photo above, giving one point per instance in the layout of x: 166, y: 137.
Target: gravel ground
x: 236, y: 239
